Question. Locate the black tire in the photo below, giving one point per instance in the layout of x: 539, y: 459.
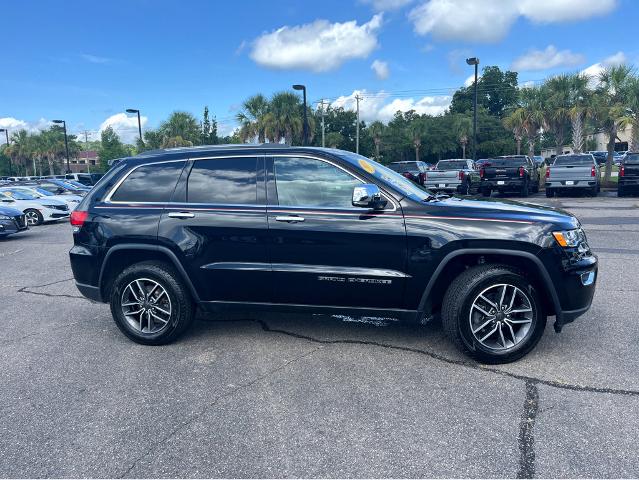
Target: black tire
x: 458, y: 301
x: 525, y: 188
x: 465, y: 190
x: 592, y: 192
x: 550, y: 193
x: 486, y: 192
x: 536, y: 188
x: 34, y: 218
x: 182, y: 308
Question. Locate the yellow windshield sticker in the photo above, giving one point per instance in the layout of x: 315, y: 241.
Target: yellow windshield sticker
x: 367, y: 166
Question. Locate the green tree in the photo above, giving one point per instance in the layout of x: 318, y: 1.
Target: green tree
x: 208, y: 135
x: 496, y: 92
x: 180, y: 129
x: 283, y: 120
x: 377, y: 130
x: 556, y: 105
x: 253, y: 117
x: 110, y: 147
x: 609, y: 106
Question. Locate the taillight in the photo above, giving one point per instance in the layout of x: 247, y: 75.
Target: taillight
x: 78, y: 218
x: 461, y: 175
x: 548, y: 172
x: 622, y: 171
x: 425, y: 176
x: 482, y: 173
x: 593, y: 172
x: 521, y: 171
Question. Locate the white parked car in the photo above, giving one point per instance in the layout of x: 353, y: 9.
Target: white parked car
x: 36, y: 210
x: 71, y: 200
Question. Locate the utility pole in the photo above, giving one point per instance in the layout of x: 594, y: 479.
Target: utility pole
x: 357, y: 99
x: 323, y: 127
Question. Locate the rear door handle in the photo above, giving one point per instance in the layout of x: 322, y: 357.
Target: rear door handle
x: 181, y: 214
x: 289, y: 218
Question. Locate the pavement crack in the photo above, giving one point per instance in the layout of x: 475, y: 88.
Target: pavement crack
x: 526, y: 439
x: 209, y: 405
x: 27, y: 289
x: 441, y: 358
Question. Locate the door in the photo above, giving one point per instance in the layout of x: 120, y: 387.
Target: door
x: 216, y: 224
x: 323, y: 250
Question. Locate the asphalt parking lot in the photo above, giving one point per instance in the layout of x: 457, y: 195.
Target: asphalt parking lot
x: 313, y: 396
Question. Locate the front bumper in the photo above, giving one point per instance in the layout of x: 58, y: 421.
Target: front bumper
x: 13, y: 225
x: 574, y: 283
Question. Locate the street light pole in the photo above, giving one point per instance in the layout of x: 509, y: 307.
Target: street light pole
x: 305, y: 128
x: 474, y: 61
x: 6, y: 136
x: 66, y: 142
x: 133, y: 110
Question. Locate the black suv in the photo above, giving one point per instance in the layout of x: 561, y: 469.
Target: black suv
x: 251, y: 228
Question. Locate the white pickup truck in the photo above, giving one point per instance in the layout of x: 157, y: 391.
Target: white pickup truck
x: 573, y: 172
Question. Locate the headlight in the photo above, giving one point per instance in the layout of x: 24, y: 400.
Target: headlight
x: 51, y: 206
x: 570, y: 238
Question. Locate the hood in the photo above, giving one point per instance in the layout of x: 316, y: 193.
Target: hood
x: 10, y: 212
x: 509, y: 210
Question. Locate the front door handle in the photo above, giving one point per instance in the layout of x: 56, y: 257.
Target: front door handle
x: 181, y: 214
x: 289, y: 218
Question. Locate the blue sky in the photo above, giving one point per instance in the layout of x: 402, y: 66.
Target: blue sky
x: 86, y: 62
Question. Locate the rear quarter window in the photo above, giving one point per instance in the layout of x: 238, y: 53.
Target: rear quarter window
x: 149, y: 183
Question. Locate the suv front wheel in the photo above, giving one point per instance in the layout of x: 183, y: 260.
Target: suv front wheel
x: 150, y: 305
x: 493, y: 314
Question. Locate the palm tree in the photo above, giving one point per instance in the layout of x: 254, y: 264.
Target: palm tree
x: 609, y: 106
x: 556, y: 104
x: 416, y: 131
x: 631, y: 117
x: 377, y: 130
x: 334, y: 139
x: 284, y: 120
x: 462, y: 127
x: 19, y: 149
x: 515, y: 122
x: 252, y: 118
x: 528, y: 118
x: 183, y: 125
x: 580, y: 109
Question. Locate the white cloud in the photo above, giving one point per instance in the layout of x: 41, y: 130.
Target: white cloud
x: 125, y: 126
x: 386, y: 5
x: 319, y: 46
x: 549, y: 11
x: 593, y: 71
x: 545, y: 59
x: 94, y: 58
x: 471, y: 80
x: 376, y: 106
x: 15, y: 124
x: 488, y: 21
x: 381, y: 69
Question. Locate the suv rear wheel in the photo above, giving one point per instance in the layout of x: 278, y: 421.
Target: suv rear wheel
x: 150, y: 305
x: 493, y: 314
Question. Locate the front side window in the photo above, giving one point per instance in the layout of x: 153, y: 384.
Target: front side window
x: 308, y: 182
x: 149, y: 183
x: 223, y: 181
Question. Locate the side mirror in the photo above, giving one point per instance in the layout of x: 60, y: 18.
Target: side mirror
x: 368, y: 195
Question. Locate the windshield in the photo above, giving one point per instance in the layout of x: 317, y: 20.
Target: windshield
x: 18, y: 195
x: 573, y: 160
x: 28, y: 191
x: 631, y: 158
x: 451, y: 165
x: 43, y: 192
x: 386, y: 175
x: 506, y: 162
x: 404, y: 167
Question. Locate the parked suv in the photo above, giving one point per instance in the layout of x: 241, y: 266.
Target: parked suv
x: 628, y: 175
x: 305, y: 229
x: 415, y: 171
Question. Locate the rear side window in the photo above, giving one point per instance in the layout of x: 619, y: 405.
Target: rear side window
x: 223, y: 181
x: 631, y: 158
x: 149, y: 183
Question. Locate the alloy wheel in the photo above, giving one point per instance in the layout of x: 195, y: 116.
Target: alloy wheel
x: 146, y: 306
x: 501, y: 316
x: 32, y: 217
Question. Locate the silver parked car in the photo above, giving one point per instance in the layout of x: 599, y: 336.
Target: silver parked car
x: 455, y: 176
